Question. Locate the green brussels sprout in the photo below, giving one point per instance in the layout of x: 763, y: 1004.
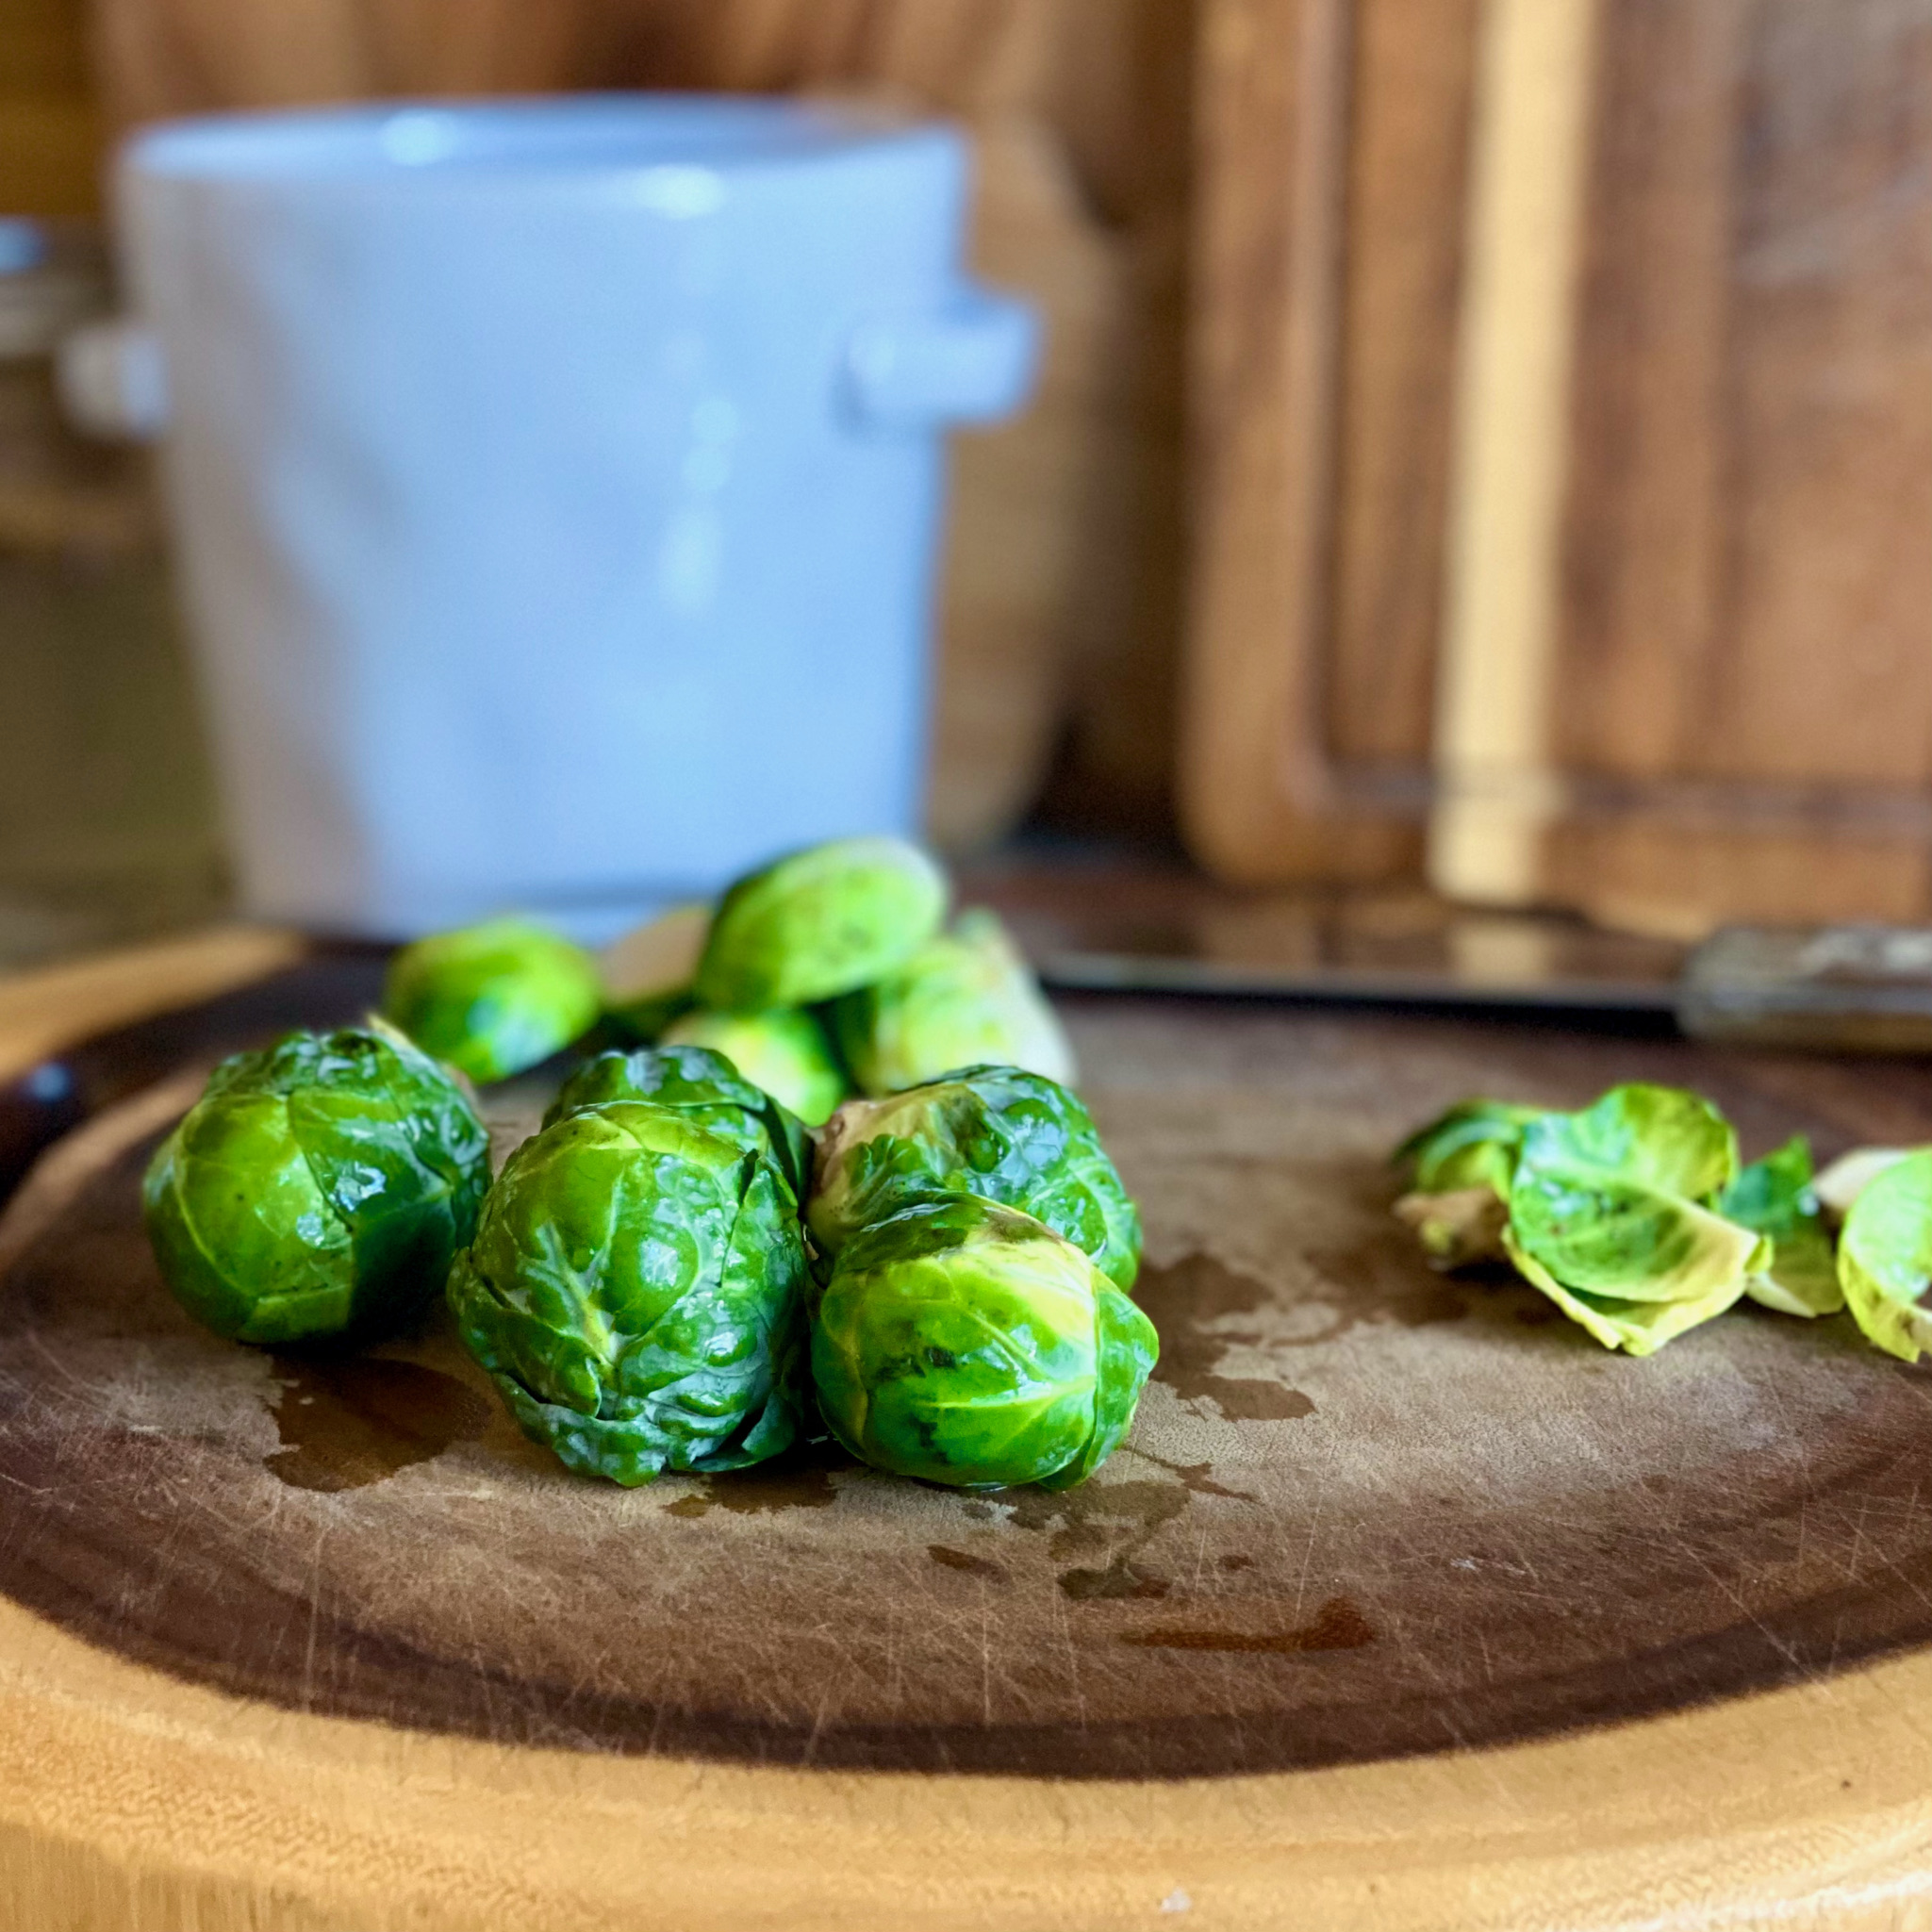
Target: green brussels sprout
x: 494, y: 999
x: 634, y: 1291
x: 966, y: 1343
x: 702, y: 1085
x: 967, y: 998
x: 784, y: 1052
x: 1885, y: 1256
x: 318, y: 1188
x: 648, y: 973
x: 1606, y: 1215
x: 1775, y: 1197
x: 1012, y: 1136
x: 818, y: 923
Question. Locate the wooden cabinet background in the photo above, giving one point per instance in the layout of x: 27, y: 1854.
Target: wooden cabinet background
x: 1564, y: 418
x: 1523, y: 407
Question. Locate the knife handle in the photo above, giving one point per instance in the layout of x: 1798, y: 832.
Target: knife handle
x: 1842, y: 989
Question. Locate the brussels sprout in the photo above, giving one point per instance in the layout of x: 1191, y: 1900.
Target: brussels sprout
x: 787, y: 1053
x: 1775, y: 1197
x: 634, y: 1291
x: 648, y: 973
x: 1605, y: 1216
x: 494, y: 999
x: 818, y: 923
x: 964, y: 1342
x: 998, y: 1132
x: 705, y: 1087
x: 318, y: 1188
x: 964, y: 998
x: 1885, y: 1257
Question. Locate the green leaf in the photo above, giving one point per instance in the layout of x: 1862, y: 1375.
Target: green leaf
x: 1606, y: 1215
x: 1885, y: 1257
x: 1638, y: 1328
x: 1473, y: 1145
x: 1774, y: 1195
x: 1663, y: 1138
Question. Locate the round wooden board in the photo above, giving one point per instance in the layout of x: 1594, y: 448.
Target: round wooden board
x: 400, y: 1669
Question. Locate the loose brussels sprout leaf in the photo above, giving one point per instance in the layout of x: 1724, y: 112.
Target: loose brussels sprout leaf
x: 494, y: 999
x: 1638, y: 1328
x: 1664, y: 1138
x: 1885, y: 1257
x: 1472, y: 1144
x: 1458, y: 1228
x: 1851, y: 1174
x: 634, y: 1291
x: 316, y: 1189
x: 702, y: 1085
x: 1606, y: 1215
x: 997, y: 1131
x: 648, y: 973
x: 818, y: 923
x: 966, y: 1343
x: 1775, y: 1197
x: 967, y: 998
x: 786, y: 1053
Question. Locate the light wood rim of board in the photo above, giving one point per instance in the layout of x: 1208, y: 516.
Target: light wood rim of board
x: 127, y: 1798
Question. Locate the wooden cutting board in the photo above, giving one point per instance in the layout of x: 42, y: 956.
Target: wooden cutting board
x: 316, y: 1641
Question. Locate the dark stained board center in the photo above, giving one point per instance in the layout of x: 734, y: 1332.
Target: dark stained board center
x: 1365, y: 1509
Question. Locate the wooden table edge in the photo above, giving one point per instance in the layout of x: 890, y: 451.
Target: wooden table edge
x: 127, y: 1798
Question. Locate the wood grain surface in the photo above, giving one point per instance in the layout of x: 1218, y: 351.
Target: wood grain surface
x: 1332, y: 138
x: 1365, y: 1510
x: 136, y: 1797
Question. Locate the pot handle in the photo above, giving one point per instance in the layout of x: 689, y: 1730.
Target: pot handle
x: 113, y: 380
x: 974, y: 360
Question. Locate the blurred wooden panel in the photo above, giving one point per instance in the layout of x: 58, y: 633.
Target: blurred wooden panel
x: 1328, y: 259
x: 1745, y: 657
x: 1526, y: 218
x: 1408, y: 152
x: 1035, y: 505
x: 50, y: 131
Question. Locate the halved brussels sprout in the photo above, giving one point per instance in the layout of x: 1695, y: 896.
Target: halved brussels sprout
x: 1885, y: 1257
x: 1775, y: 1197
x: 1606, y: 1215
x: 784, y: 1052
x: 818, y: 923
x: 998, y: 1132
x: 967, y: 998
x: 648, y: 973
x: 705, y: 1087
x: 967, y: 1343
x: 494, y: 999
x: 316, y: 1189
x: 634, y: 1291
